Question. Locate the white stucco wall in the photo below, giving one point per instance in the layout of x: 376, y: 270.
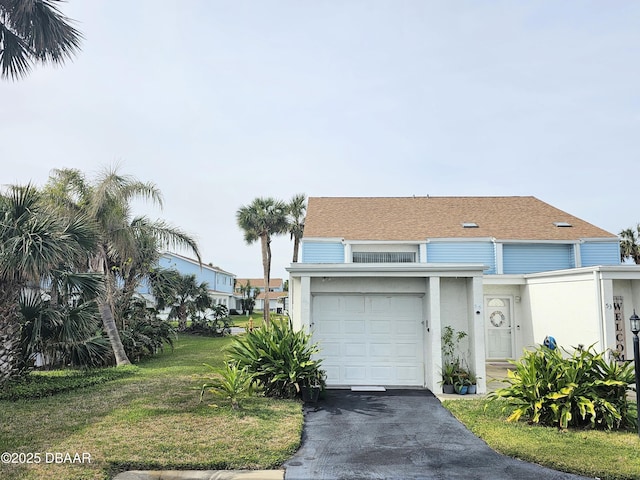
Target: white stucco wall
x: 566, y: 308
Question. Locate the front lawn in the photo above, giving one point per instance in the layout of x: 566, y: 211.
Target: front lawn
x: 151, y: 419
x: 592, y: 453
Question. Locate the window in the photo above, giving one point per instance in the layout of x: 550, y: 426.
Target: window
x: 384, y: 257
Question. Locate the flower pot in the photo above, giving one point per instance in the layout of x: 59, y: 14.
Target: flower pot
x: 447, y: 388
x: 462, y: 389
x: 310, y: 394
x: 472, y: 389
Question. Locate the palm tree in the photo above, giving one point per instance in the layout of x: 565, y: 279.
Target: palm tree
x: 297, y: 209
x: 261, y: 219
x: 630, y: 244
x: 34, y: 31
x: 34, y: 244
x: 107, y: 202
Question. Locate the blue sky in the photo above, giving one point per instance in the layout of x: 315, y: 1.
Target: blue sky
x: 220, y: 102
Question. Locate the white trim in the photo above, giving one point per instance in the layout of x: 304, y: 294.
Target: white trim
x: 387, y: 269
x: 561, y: 242
x: 322, y: 239
x: 461, y: 240
x: 411, y: 243
x: 499, y: 258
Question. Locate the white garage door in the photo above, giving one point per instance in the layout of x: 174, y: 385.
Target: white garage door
x: 370, y: 339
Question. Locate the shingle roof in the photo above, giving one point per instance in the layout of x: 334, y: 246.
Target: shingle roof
x: 421, y: 218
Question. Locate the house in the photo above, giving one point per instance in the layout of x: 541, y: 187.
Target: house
x: 380, y: 278
x: 277, y: 295
x: 221, y: 283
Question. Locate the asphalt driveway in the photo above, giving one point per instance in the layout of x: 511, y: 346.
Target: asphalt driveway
x: 398, y: 434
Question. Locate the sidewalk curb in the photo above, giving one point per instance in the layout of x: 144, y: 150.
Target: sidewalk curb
x: 201, y: 475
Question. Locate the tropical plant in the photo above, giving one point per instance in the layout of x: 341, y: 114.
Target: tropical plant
x: 281, y: 358
x: 454, y: 370
x: 249, y: 295
x: 190, y: 300
x: 143, y: 333
x: 297, y: 209
x: 35, y: 243
x: 260, y: 220
x: 582, y: 390
x: 34, y: 32
x: 64, y: 328
x: 107, y: 202
x: 630, y: 244
x: 233, y: 382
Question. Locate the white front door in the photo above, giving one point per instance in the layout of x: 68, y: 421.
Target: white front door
x: 499, y: 327
x: 370, y: 339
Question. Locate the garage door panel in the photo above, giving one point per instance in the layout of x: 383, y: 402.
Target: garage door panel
x: 354, y: 326
x: 407, y: 373
x: 353, y: 304
x: 380, y: 326
x: 382, y: 374
x: 355, y: 374
x: 381, y: 351
x: 357, y: 350
x: 330, y: 349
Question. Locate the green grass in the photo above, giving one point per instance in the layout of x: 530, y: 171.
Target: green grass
x: 150, y: 420
x: 606, y: 455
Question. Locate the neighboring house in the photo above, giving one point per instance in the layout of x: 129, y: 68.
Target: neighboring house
x: 277, y: 296
x: 220, y: 282
x: 380, y: 278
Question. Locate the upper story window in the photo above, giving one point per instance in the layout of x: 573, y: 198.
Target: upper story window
x: 384, y: 257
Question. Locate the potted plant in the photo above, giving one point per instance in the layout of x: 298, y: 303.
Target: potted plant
x: 472, y: 383
x: 312, y: 385
x: 452, y: 369
x: 448, y: 377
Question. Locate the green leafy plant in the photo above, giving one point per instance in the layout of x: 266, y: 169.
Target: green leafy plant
x: 583, y: 390
x: 146, y: 336
x: 232, y: 381
x: 453, y: 370
x: 280, y: 357
x: 48, y: 383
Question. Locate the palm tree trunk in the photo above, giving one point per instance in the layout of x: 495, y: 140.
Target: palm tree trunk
x: 10, y: 354
x: 110, y: 327
x: 296, y: 246
x: 105, y: 305
x: 266, y: 267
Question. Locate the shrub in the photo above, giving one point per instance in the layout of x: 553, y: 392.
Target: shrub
x: 233, y: 382
x: 583, y: 390
x: 44, y: 384
x: 146, y: 336
x: 279, y: 357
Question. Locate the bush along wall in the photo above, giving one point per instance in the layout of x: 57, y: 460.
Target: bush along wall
x: 583, y: 389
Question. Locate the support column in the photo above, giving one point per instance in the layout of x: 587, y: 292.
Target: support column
x: 433, y: 358
x: 305, y: 302
x: 477, y: 334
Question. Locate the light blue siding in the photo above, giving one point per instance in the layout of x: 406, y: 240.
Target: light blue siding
x: 217, y: 281
x: 322, y: 252
x: 463, y: 252
x: 600, y: 253
x: 536, y: 257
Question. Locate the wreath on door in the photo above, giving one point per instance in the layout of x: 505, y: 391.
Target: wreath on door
x: 497, y: 318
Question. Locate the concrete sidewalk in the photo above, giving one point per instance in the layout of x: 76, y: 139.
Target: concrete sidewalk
x: 202, y: 475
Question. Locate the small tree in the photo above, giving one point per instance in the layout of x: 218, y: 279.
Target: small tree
x: 630, y: 244
x: 249, y: 295
x: 260, y: 220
